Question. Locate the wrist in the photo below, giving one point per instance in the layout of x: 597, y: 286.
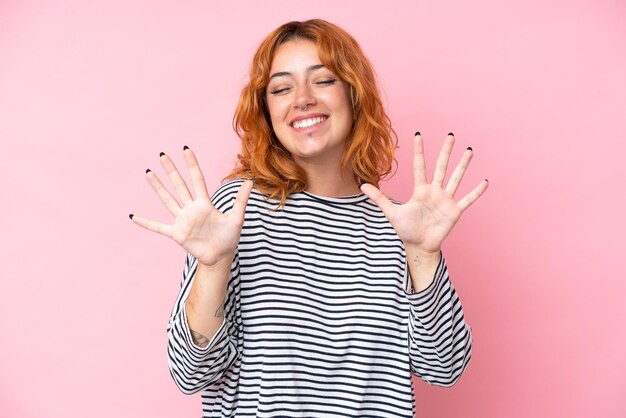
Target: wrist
x: 424, y: 254
x: 219, y: 263
x: 217, y: 273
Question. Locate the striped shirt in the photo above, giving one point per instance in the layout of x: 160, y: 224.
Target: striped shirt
x: 320, y: 317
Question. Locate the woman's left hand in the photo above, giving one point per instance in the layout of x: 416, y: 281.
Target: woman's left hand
x: 427, y: 218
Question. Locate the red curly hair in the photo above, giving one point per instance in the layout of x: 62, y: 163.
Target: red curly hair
x: 371, y: 143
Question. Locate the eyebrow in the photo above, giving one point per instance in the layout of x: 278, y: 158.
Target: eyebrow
x: 309, y: 69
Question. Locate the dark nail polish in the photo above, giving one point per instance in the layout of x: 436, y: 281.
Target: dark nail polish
x: 418, y: 133
x: 450, y: 133
x: 161, y: 154
x: 487, y: 180
x: 131, y: 216
x: 470, y: 148
x: 185, y: 148
x: 148, y: 170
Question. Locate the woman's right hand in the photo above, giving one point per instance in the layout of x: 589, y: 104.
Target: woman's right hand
x: 203, y: 231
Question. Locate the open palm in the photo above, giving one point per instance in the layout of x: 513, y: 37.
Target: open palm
x: 430, y: 214
x: 201, y: 229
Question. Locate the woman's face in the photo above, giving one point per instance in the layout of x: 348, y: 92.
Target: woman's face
x: 308, y: 104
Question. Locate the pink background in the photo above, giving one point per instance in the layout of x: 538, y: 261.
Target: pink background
x: 91, y: 92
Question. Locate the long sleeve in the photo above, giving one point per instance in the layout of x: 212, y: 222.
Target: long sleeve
x: 192, y: 367
x: 440, y: 341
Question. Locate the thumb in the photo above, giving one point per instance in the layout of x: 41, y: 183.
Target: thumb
x: 380, y: 199
x: 241, y: 200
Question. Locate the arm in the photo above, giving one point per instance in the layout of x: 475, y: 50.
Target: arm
x: 197, y: 360
x: 205, y: 304
x: 422, y: 267
x: 199, y: 347
x: 440, y: 341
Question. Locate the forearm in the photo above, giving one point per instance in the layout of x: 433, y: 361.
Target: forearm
x: 422, y: 267
x: 440, y: 341
x: 205, y: 304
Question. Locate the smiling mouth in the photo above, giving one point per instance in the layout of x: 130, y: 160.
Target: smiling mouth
x: 307, y: 123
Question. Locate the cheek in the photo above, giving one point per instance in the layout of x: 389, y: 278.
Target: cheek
x: 341, y: 100
x: 276, y: 110
x: 345, y: 106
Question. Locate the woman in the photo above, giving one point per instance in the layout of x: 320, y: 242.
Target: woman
x: 306, y: 292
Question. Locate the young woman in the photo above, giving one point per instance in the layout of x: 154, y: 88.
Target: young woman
x: 306, y: 292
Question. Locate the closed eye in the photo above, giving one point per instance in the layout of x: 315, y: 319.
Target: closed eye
x: 279, y: 91
x: 322, y: 82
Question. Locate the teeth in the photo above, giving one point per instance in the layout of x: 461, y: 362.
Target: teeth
x: 308, y: 122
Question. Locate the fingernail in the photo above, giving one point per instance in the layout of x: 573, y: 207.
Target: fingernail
x: 487, y: 180
x: 185, y: 148
x: 161, y: 154
x: 450, y: 133
x: 131, y: 216
x: 470, y: 148
x: 418, y: 133
x: 148, y: 170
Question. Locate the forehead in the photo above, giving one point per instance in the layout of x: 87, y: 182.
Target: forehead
x: 295, y: 55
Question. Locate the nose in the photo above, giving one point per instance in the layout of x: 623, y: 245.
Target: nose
x: 304, y: 97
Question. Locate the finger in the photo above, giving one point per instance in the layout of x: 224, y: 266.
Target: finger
x: 419, y: 164
x: 177, y: 181
x: 442, y: 161
x: 168, y: 200
x: 197, y: 178
x: 472, y: 196
x: 241, y: 200
x: 388, y: 208
x: 153, y: 226
x: 459, y: 171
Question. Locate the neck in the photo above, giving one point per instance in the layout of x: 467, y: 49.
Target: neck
x: 330, y: 181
